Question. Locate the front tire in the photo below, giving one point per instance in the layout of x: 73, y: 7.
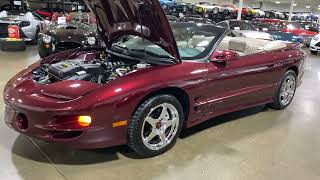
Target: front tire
x: 155, y: 125
x: 285, y: 91
x: 314, y: 52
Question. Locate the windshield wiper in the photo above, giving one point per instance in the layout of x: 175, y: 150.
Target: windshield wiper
x: 142, y: 53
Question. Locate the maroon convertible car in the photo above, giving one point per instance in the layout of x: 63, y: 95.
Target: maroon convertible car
x: 152, y: 80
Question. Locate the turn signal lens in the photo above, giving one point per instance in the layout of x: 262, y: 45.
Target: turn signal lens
x: 84, y: 120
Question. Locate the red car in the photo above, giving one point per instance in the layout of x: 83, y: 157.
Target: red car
x: 152, y: 80
x: 296, y: 29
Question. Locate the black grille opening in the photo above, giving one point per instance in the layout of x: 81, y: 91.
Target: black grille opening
x: 318, y: 44
x: 3, y: 30
x: 66, y: 134
x: 68, y: 45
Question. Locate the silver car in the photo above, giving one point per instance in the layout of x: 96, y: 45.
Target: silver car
x: 30, y: 24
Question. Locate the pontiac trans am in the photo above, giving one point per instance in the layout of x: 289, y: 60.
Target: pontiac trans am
x: 152, y: 80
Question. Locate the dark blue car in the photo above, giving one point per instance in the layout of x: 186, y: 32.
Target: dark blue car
x: 286, y: 37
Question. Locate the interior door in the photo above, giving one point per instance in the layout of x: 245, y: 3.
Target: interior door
x: 241, y: 82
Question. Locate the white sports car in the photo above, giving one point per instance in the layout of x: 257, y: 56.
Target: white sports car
x: 315, y: 45
x: 30, y: 24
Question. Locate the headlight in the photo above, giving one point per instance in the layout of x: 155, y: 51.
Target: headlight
x: 46, y: 39
x: 316, y: 38
x: 91, y: 40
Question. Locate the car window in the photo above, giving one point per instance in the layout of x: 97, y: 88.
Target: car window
x: 242, y: 26
x: 223, y: 24
x: 194, y: 41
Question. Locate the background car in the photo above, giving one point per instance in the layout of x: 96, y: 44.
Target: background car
x: 296, y: 29
x: 259, y: 13
x: 29, y: 23
x: 315, y: 45
x: 196, y: 20
x: 78, y: 31
x: 168, y: 4
x: 243, y: 28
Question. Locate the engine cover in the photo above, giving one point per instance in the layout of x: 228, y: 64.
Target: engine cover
x: 65, y: 69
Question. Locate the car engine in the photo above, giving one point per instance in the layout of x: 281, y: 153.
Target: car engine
x: 97, y: 71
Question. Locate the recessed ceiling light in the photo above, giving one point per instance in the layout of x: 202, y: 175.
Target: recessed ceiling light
x: 294, y: 4
x: 308, y: 7
x: 277, y: 2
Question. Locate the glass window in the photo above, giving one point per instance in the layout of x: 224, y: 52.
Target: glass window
x: 194, y: 41
x: 242, y: 25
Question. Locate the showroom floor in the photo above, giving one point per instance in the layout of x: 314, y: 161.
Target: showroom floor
x: 254, y: 144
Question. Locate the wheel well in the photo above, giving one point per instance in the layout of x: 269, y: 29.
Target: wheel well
x: 178, y: 93
x: 295, y: 69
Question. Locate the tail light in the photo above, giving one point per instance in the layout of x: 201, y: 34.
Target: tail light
x: 13, y: 31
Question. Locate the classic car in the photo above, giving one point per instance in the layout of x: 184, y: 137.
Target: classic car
x: 274, y: 14
x: 248, y: 12
x: 143, y: 90
x: 168, y: 4
x: 259, y: 13
x: 196, y: 20
x: 296, y: 29
x: 78, y: 31
x: 315, y: 45
x: 274, y: 31
x: 243, y: 28
x: 205, y: 7
x: 310, y: 26
x: 47, y: 13
x: 26, y: 24
x: 305, y: 16
x: 183, y: 6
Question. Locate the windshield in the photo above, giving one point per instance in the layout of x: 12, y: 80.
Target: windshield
x: 194, y: 41
x: 242, y: 25
x: 293, y: 25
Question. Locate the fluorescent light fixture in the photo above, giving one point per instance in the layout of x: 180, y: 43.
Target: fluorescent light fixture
x: 294, y: 4
x: 277, y: 2
x: 308, y: 7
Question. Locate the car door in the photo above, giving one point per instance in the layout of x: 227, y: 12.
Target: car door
x: 241, y: 82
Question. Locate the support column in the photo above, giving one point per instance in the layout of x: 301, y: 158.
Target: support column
x: 291, y: 10
x: 240, y: 9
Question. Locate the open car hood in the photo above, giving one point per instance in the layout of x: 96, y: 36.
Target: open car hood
x: 144, y: 18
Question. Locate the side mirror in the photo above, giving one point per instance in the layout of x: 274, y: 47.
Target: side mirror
x: 222, y: 57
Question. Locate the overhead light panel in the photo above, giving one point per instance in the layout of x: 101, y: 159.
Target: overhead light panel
x: 308, y: 7
x: 277, y: 2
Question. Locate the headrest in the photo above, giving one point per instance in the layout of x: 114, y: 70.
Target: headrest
x: 274, y: 45
x: 237, y: 45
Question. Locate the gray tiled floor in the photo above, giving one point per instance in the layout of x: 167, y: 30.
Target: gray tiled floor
x: 254, y: 144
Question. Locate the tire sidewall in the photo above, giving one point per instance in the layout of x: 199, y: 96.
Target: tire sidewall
x: 276, y: 99
x: 137, y: 121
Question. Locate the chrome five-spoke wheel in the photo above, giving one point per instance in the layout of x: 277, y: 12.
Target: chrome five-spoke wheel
x: 160, y: 126
x: 287, y: 90
x: 155, y: 125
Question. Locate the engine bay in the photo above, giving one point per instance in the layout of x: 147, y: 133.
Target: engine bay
x: 100, y: 70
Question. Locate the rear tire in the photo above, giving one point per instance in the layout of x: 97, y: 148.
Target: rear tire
x: 285, y: 91
x: 155, y: 125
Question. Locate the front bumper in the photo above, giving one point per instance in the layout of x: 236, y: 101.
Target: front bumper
x: 315, y: 46
x: 40, y: 116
